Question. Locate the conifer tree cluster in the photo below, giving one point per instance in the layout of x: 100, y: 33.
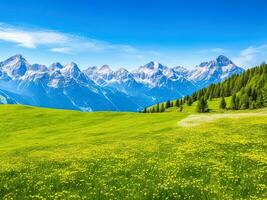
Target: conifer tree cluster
x: 223, y: 103
x: 161, y: 107
x: 202, y: 105
x: 247, y: 90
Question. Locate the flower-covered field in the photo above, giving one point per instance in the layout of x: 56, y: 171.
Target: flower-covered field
x: 54, y: 154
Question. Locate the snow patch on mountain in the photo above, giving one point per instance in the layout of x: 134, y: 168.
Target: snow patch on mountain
x: 214, y: 71
x: 101, y: 88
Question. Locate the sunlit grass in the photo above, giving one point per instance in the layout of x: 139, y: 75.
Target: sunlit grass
x: 54, y: 154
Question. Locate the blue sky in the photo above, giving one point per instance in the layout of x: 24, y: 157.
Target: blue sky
x: 129, y: 33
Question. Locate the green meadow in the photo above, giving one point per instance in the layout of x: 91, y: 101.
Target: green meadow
x: 58, y: 154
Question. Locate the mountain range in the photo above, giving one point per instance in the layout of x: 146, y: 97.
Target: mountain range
x: 101, y: 88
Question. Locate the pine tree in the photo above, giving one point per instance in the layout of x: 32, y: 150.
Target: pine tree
x: 237, y: 102
x: 162, y: 108
x: 252, y: 105
x: 202, y: 105
x: 259, y: 101
x: 227, y: 91
x: 177, y: 103
x: 168, y: 104
x: 233, y: 102
x: 189, y: 101
x: 223, y: 103
x: 210, y: 98
x: 244, y: 102
x: 157, y: 108
x: 264, y: 96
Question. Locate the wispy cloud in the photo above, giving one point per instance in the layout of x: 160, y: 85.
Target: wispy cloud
x: 213, y: 50
x: 61, y: 50
x: 252, y: 55
x: 31, y: 39
x: 57, y: 41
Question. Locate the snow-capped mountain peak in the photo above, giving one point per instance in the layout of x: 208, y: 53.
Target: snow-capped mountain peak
x: 123, y: 75
x: 15, y: 66
x: 71, y: 70
x: 180, y: 70
x: 14, y: 60
x: 220, y: 61
x: 121, y: 71
x: 150, y: 68
x: 37, y: 67
x: 223, y: 61
x: 152, y: 65
x: 101, y: 88
x: 55, y: 66
x: 71, y: 67
x: 153, y: 74
x: 214, y: 71
x: 105, y: 69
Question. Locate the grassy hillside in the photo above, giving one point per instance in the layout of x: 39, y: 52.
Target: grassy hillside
x: 247, y: 91
x: 54, y: 154
x: 213, y: 106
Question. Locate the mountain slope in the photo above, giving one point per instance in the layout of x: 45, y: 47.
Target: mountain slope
x: 57, y: 87
x: 247, y: 90
x: 101, y: 88
x: 214, y: 71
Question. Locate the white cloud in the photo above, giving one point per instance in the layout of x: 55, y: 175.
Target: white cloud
x: 213, y: 50
x: 57, y: 41
x: 61, y: 50
x: 31, y: 39
x: 252, y: 56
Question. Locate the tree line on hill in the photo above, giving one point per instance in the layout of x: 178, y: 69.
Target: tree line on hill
x: 247, y: 91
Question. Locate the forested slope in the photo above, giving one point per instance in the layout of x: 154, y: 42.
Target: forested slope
x: 247, y: 90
